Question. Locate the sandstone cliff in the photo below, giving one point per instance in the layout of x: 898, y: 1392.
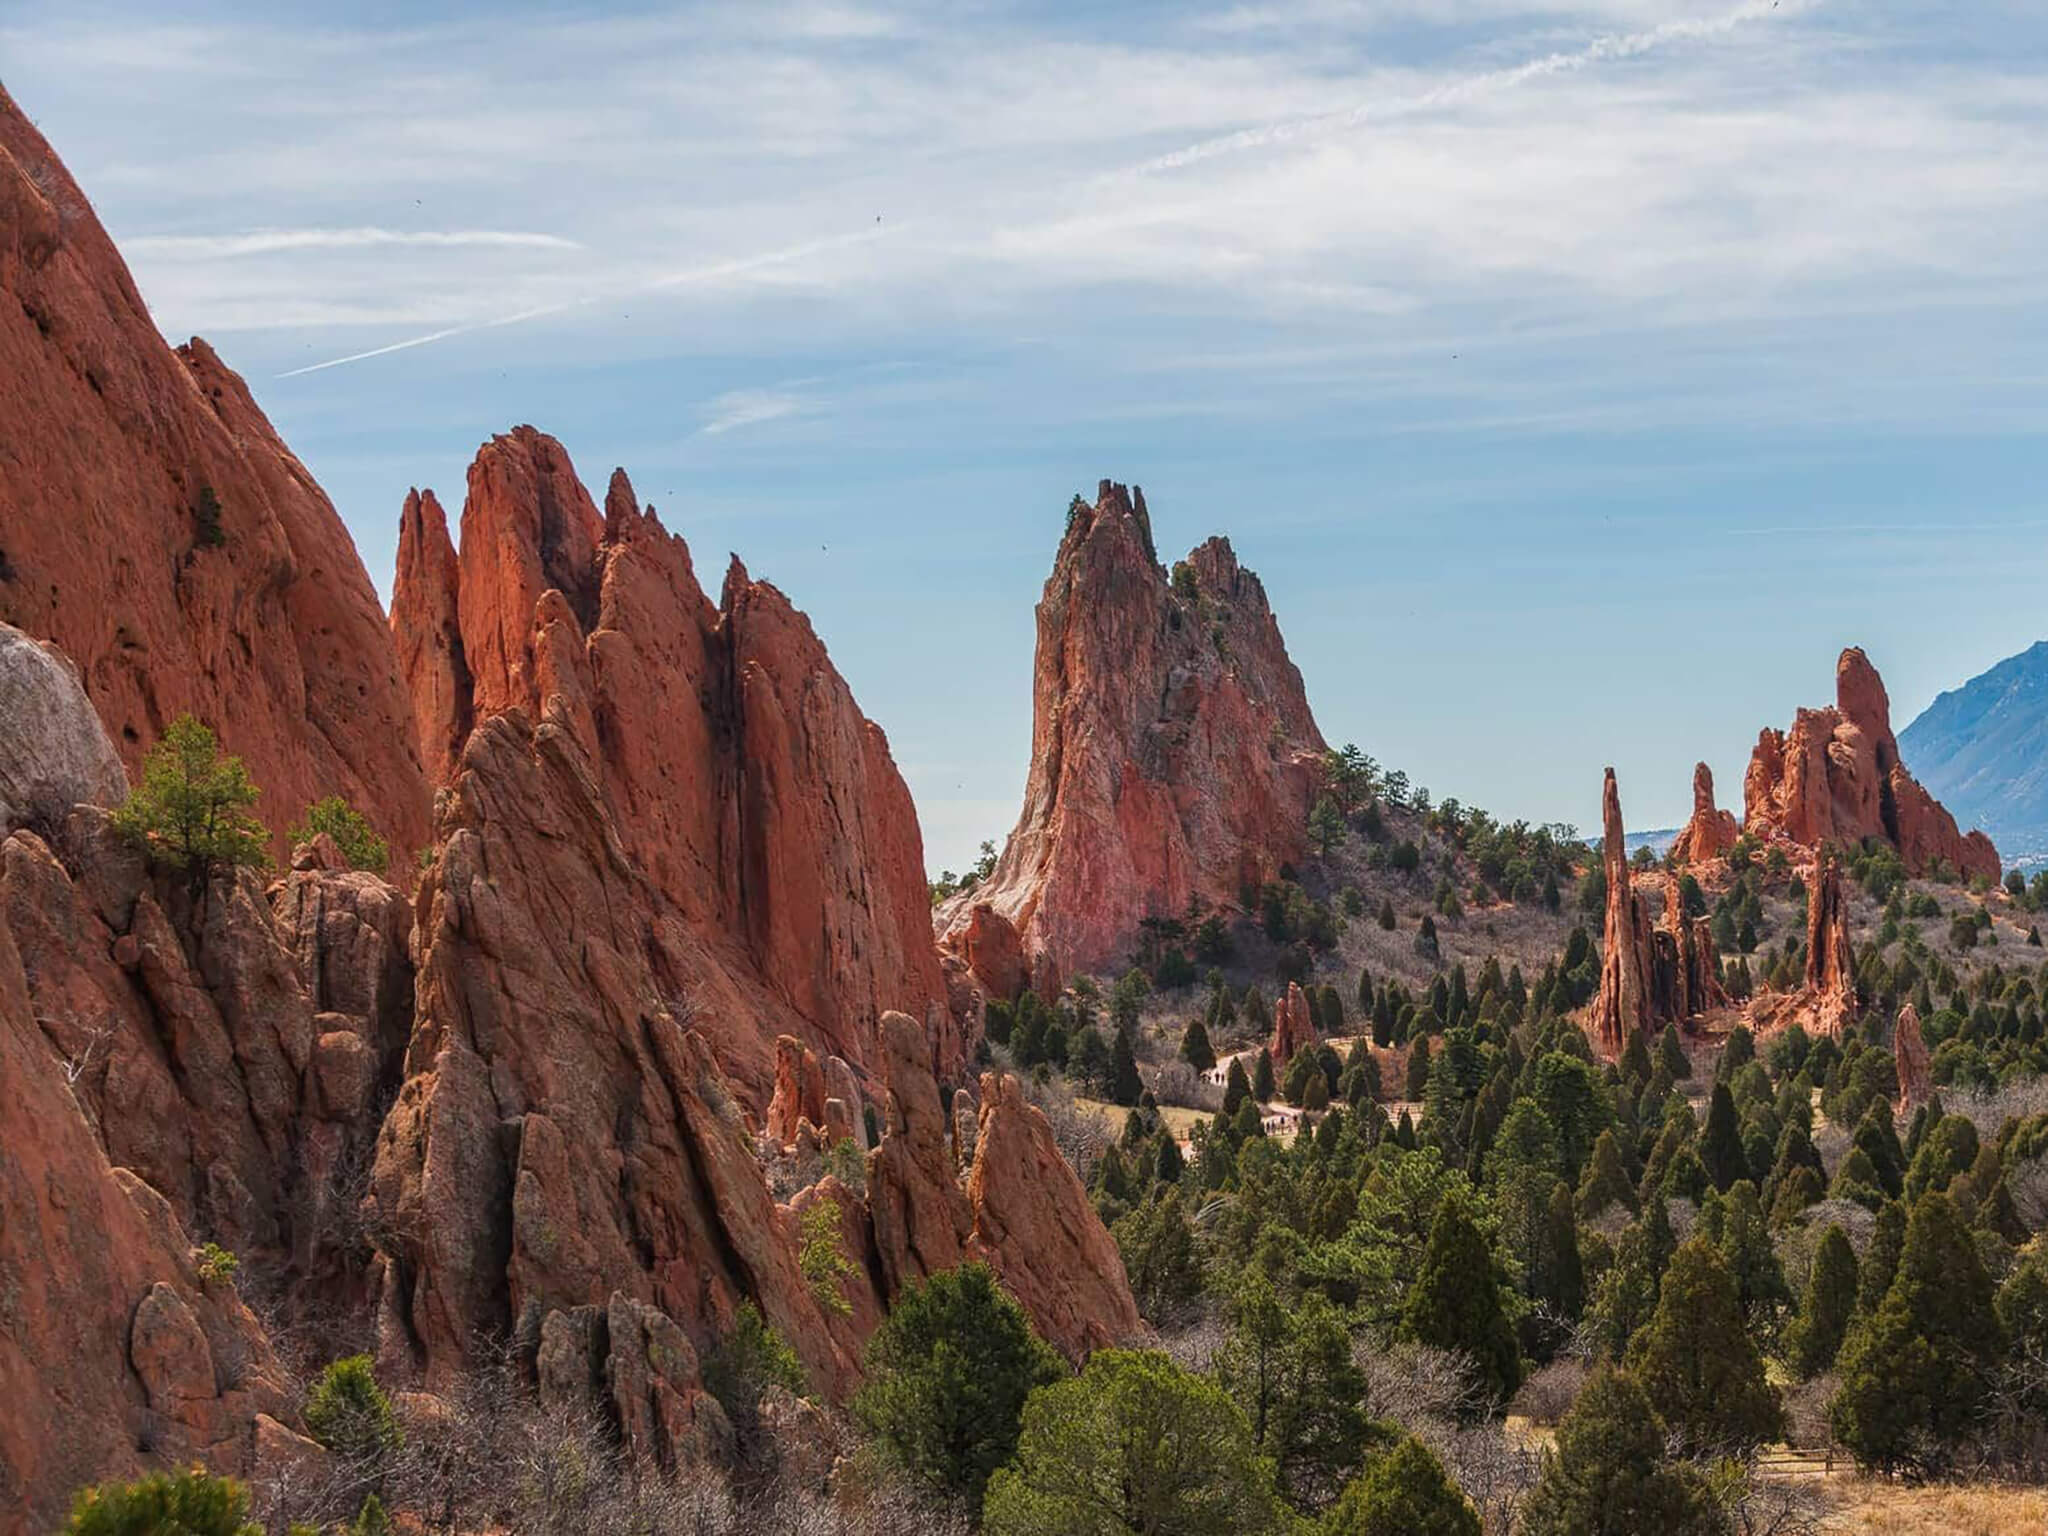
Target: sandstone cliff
x: 730, y: 766
x: 155, y: 528
x: 1173, y: 756
x: 1836, y: 777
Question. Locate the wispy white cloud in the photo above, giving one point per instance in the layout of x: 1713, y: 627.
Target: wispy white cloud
x: 750, y: 407
x: 270, y: 242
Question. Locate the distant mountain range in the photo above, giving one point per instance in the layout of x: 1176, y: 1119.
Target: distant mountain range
x: 1983, y: 750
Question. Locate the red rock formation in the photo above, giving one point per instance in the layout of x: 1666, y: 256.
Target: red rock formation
x: 732, y: 766
x: 1650, y: 976
x: 563, y: 1133
x: 1909, y: 1056
x: 1621, y: 1009
x: 114, y: 1352
x: 1712, y: 831
x: 993, y: 952
x: 799, y: 1090
x: 1830, y: 968
x: 1294, y: 1026
x: 1034, y: 1225
x: 1836, y: 777
x: 1173, y: 757
x: 160, y: 533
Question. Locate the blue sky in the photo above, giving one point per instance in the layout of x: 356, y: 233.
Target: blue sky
x: 1579, y: 376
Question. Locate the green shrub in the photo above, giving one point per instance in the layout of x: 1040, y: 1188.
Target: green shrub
x: 348, y: 1412
x: 822, y: 1257
x: 191, y: 1503
x: 216, y: 1265
x: 747, y: 1362
x: 190, y: 813
x: 351, y: 831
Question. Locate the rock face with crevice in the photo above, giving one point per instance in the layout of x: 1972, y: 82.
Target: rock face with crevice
x: 731, y: 768
x: 1836, y: 777
x: 1174, y: 759
x: 159, y: 532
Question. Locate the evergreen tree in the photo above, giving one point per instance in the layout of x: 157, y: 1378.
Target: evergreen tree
x: 193, y: 1503
x: 1160, y: 1258
x: 1746, y: 1248
x: 191, y: 811
x: 1915, y: 1371
x: 946, y: 1376
x: 1608, y: 1475
x: 1195, y: 1049
x: 1456, y: 1302
x: 1263, y: 1087
x: 1697, y: 1362
x: 1417, y: 1082
x: 1721, y: 1143
x: 1671, y: 1054
x: 1293, y: 1376
x: 1134, y: 1444
x: 1880, y: 1262
x: 1237, y: 1088
x: 1559, y: 1279
x: 1816, y: 1336
x: 1404, y: 1492
x: 1125, y: 1086
x: 1606, y: 1182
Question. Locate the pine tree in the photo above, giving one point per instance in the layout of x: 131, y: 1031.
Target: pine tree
x: 1605, y: 1182
x: 1696, y: 1360
x: 1559, y: 1281
x: 1237, y: 1088
x: 1416, y: 1083
x: 1880, y: 1262
x: 1403, y: 1492
x: 1263, y: 1087
x: 1671, y: 1054
x: 1721, y: 1144
x: 1745, y: 1242
x: 1195, y: 1049
x: 1125, y: 1086
x: 1456, y: 1302
x: 1816, y: 1336
x: 1608, y: 1475
x: 1915, y: 1371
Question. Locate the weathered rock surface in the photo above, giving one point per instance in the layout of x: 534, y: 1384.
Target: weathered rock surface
x: 108, y: 1340
x: 731, y: 765
x: 1173, y: 757
x: 1910, y: 1059
x: 1023, y: 1212
x: 1034, y: 1225
x: 990, y: 946
x: 1294, y: 1026
x: 1712, y: 831
x: 1830, y: 967
x: 799, y: 1090
x: 1836, y: 776
x: 1650, y: 975
x: 195, y: 1024
x: 158, y: 531
x: 54, y: 753
x: 563, y: 1131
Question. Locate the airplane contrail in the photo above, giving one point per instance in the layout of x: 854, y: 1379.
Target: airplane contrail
x: 1626, y: 45
x: 1601, y: 50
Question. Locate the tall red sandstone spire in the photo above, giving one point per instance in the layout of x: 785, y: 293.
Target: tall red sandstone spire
x: 1650, y: 975
x: 156, y: 529
x: 1712, y: 831
x: 1174, y: 758
x: 734, y: 769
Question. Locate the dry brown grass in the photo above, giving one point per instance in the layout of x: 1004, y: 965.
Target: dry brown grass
x: 1868, y: 1507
